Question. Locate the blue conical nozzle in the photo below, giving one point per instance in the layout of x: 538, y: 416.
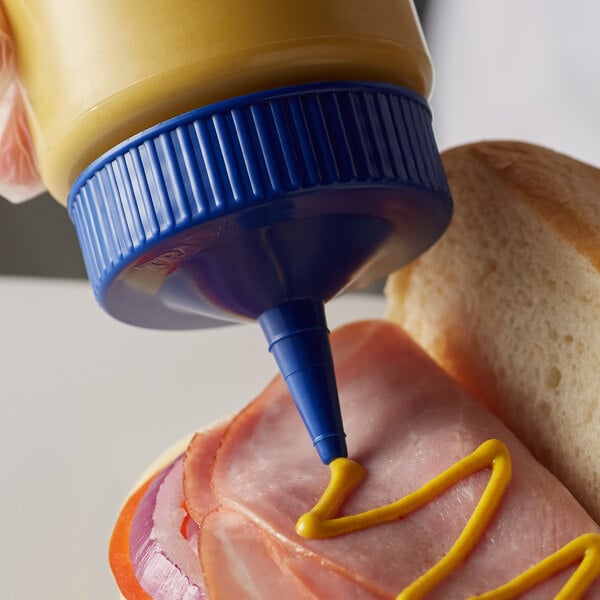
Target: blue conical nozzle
x: 299, y: 339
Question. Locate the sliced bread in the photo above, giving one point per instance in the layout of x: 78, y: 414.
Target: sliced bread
x: 508, y: 301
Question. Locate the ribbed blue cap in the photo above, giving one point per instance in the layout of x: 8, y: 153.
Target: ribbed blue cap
x: 230, y: 209
x: 264, y: 206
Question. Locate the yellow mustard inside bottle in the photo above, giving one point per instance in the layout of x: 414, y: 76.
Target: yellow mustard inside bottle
x: 96, y: 72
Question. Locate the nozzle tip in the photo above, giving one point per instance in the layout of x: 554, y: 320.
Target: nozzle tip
x: 298, y: 337
x: 331, y: 447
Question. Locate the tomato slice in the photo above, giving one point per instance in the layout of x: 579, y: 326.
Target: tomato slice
x: 119, y: 555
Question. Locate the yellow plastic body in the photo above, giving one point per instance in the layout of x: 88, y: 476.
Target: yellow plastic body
x: 96, y: 72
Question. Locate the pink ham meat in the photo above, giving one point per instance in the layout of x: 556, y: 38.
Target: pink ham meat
x: 258, y: 567
x: 199, y: 460
x: 406, y: 421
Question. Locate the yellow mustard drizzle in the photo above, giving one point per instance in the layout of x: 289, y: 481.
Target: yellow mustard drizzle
x: 346, y: 475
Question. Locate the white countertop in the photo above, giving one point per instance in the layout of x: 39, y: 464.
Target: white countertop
x: 87, y: 403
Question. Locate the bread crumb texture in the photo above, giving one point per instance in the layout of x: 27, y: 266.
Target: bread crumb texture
x: 508, y: 301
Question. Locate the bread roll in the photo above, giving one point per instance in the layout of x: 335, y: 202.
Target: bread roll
x: 508, y: 302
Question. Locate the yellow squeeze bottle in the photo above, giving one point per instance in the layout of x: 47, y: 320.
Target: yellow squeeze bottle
x: 225, y: 160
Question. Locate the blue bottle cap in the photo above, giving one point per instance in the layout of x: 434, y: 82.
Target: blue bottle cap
x: 264, y: 206
x: 222, y: 212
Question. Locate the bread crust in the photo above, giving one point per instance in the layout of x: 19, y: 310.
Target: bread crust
x: 508, y: 302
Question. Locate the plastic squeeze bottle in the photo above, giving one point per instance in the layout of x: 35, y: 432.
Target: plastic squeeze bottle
x: 225, y: 160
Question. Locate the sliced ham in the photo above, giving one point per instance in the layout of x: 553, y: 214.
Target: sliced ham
x: 308, y: 571
x: 239, y: 562
x: 406, y: 421
x: 198, y: 463
x: 242, y: 561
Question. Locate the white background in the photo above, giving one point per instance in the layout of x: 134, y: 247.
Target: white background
x: 87, y: 404
x: 517, y: 69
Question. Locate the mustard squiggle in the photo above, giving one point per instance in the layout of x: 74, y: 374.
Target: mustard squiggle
x: 346, y: 475
x: 586, y: 548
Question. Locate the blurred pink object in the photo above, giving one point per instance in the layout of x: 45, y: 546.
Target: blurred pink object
x: 19, y: 176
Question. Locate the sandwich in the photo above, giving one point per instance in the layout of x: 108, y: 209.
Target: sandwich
x: 440, y: 499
